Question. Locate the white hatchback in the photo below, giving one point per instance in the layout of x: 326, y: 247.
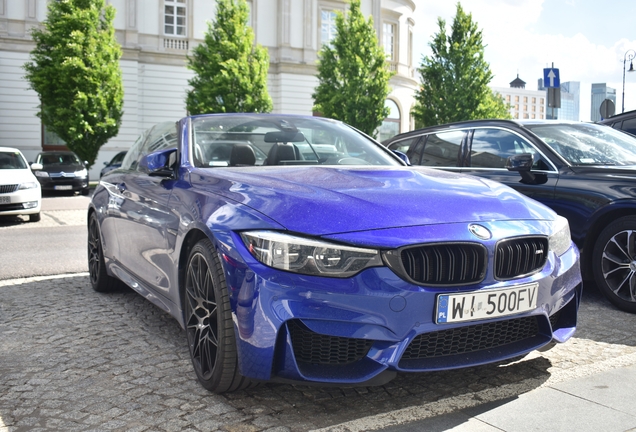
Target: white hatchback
x: 20, y: 192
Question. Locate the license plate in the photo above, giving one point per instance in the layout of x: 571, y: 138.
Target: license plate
x: 5, y: 200
x: 63, y: 187
x: 486, y: 304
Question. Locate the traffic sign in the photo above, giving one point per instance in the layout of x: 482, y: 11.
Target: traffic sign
x: 551, y: 77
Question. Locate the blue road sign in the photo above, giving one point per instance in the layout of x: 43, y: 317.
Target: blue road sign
x: 551, y: 78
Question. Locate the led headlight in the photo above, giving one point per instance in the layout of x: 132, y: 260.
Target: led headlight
x: 560, y: 239
x: 28, y: 185
x: 308, y: 256
x: 41, y: 174
x: 81, y: 173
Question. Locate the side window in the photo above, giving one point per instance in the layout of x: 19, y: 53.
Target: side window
x: 629, y: 125
x: 406, y: 146
x: 442, y: 149
x: 131, y: 158
x: 492, y: 147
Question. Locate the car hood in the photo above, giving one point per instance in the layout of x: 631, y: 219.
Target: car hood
x: 328, y: 200
x: 16, y: 176
x: 62, y: 168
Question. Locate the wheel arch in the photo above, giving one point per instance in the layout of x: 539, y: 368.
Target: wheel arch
x: 192, y: 237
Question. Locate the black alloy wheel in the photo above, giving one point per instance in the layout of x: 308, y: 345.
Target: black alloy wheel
x: 100, y: 280
x: 614, y: 263
x: 209, y: 324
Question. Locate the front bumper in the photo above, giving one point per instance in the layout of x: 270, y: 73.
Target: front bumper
x: 363, y: 329
x: 22, y: 202
x: 63, y: 183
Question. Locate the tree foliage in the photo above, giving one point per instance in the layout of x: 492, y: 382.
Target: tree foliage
x: 455, y: 78
x: 353, y: 75
x: 75, y: 71
x: 230, y: 71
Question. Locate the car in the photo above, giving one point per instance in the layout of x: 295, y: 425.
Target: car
x: 625, y: 121
x: 114, y: 163
x: 61, y: 171
x: 585, y: 172
x: 330, y: 261
x: 20, y: 192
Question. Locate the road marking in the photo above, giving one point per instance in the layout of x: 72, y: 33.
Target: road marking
x: 21, y: 281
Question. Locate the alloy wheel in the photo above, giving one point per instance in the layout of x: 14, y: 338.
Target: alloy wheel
x: 619, y: 265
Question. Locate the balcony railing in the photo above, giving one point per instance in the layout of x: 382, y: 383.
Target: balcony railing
x: 178, y: 44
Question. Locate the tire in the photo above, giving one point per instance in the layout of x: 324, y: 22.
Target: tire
x: 614, y: 263
x: 35, y: 217
x: 85, y: 192
x: 209, y: 324
x: 100, y: 280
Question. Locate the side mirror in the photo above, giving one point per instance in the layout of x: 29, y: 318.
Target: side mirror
x: 159, y: 163
x: 36, y: 167
x: 402, y: 156
x: 522, y: 163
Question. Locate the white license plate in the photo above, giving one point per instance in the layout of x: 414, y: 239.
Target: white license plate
x: 486, y: 304
x: 5, y: 200
x: 63, y: 187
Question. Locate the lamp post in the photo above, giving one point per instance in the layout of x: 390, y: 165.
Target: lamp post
x: 629, y: 55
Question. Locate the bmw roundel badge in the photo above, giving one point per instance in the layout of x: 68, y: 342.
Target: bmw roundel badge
x: 480, y: 231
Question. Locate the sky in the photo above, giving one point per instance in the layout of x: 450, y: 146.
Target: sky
x: 587, y: 40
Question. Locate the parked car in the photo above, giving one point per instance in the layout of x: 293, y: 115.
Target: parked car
x: 625, y: 122
x: 62, y: 171
x: 114, y: 163
x: 20, y: 192
x: 329, y: 261
x: 585, y: 172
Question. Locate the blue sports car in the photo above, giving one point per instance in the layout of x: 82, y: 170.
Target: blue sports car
x: 297, y: 249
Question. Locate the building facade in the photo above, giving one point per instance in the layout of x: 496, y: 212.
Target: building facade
x: 523, y: 103
x: 600, y: 92
x: 156, y: 35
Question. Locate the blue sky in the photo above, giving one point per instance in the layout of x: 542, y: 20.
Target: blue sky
x: 585, y: 39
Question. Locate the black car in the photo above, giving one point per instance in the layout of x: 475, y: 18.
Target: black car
x: 585, y: 172
x: 114, y: 163
x: 625, y: 122
x: 62, y: 171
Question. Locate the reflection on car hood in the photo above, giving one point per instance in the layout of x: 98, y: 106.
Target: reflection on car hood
x: 16, y: 176
x: 327, y: 200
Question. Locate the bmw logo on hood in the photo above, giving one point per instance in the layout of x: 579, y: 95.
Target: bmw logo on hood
x: 480, y: 231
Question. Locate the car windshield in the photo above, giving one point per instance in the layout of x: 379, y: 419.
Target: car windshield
x: 241, y: 140
x: 58, y: 159
x: 11, y: 160
x: 588, y: 144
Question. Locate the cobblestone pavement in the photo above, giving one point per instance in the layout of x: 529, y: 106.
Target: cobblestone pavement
x: 73, y: 359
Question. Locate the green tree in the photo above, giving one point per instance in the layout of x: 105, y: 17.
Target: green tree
x: 75, y: 71
x: 455, y: 78
x: 230, y: 71
x: 353, y: 74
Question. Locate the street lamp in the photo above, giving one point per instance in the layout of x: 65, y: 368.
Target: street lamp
x: 629, y: 55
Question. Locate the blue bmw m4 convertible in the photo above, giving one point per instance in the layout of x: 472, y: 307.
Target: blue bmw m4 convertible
x: 297, y: 249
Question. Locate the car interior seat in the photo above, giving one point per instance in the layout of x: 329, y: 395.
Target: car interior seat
x: 242, y: 154
x: 282, y: 152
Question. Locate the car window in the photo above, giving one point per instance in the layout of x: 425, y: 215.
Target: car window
x: 629, y: 125
x: 12, y: 160
x: 118, y: 158
x: 492, y: 147
x: 407, y: 146
x: 442, y: 149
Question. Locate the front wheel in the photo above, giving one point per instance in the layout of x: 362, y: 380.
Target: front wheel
x: 100, y: 280
x: 209, y: 325
x: 614, y: 263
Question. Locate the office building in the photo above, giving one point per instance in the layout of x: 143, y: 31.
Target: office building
x: 523, y: 103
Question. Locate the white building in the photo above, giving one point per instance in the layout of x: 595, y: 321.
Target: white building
x: 156, y: 35
x: 524, y: 104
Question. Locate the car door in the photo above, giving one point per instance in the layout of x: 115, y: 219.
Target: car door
x: 489, y: 149
x: 145, y: 220
x: 435, y: 149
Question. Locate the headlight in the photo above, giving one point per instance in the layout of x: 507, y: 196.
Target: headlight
x: 560, y: 239
x: 29, y: 185
x: 41, y: 174
x: 81, y: 173
x: 308, y: 256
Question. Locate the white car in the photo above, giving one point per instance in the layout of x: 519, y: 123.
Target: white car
x: 20, y: 192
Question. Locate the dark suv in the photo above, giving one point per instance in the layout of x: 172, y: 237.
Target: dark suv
x: 625, y: 122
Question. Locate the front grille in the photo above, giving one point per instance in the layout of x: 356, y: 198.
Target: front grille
x: 62, y: 175
x: 445, y: 263
x: 11, y: 207
x: 4, y: 189
x: 314, y: 348
x: 520, y: 257
x: 472, y: 338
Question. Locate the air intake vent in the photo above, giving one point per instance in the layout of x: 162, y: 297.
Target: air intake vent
x: 445, y: 263
x: 520, y: 257
x: 8, y: 188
